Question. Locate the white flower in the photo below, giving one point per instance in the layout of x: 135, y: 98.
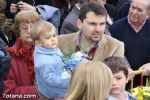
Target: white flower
x: 78, y: 55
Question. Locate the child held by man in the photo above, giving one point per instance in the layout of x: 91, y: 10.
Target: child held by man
x: 51, y: 79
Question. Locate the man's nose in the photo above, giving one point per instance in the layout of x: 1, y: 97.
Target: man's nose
x: 134, y: 11
x: 98, y: 28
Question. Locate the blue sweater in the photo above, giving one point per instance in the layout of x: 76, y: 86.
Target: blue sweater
x: 137, y: 45
x: 48, y: 70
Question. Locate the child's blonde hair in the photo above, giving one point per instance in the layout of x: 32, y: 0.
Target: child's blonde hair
x: 25, y: 16
x: 39, y: 28
x: 90, y: 81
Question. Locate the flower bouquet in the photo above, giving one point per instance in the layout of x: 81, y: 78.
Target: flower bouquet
x: 141, y: 92
x: 74, y: 59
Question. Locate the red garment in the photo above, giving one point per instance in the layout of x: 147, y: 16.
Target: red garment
x: 20, y: 79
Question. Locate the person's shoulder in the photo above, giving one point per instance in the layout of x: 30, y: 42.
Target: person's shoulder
x: 112, y: 40
x: 111, y: 98
x: 69, y: 23
x: 73, y: 15
x: 65, y: 40
x: 120, y: 21
x: 68, y: 27
x: 74, y: 12
x: 130, y: 96
x: 148, y: 21
x: 67, y: 36
x: 118, y: 25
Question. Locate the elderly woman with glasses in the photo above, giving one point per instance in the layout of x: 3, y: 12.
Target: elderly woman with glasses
x: 19, y: 82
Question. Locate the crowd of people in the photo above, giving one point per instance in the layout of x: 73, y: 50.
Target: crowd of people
x: 114, y: 44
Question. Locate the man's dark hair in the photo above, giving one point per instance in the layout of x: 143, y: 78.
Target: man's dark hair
x: 117, y: 64
x: 91, y: 7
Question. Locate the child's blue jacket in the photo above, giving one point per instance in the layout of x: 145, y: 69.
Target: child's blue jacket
x: 48, y: 70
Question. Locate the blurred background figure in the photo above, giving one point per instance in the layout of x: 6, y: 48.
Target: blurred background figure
x: 4, y: 60
x: 2, y: 14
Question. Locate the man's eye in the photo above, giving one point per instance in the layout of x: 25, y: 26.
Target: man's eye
x: 102, y: 23
x: 93, y: 24
x: 118, y: 78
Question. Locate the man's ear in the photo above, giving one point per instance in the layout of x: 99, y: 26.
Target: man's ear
x: 79, y: 23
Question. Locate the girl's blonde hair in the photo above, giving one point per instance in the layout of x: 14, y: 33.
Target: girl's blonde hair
x: 39, y: 28
x: 25, y: 16
x: 90, y: 81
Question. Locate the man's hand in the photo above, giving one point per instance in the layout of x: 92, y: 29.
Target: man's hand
x: 25, y: 6
x: 146, y: 70
x: 131, y: 73
x: 13, y: 8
